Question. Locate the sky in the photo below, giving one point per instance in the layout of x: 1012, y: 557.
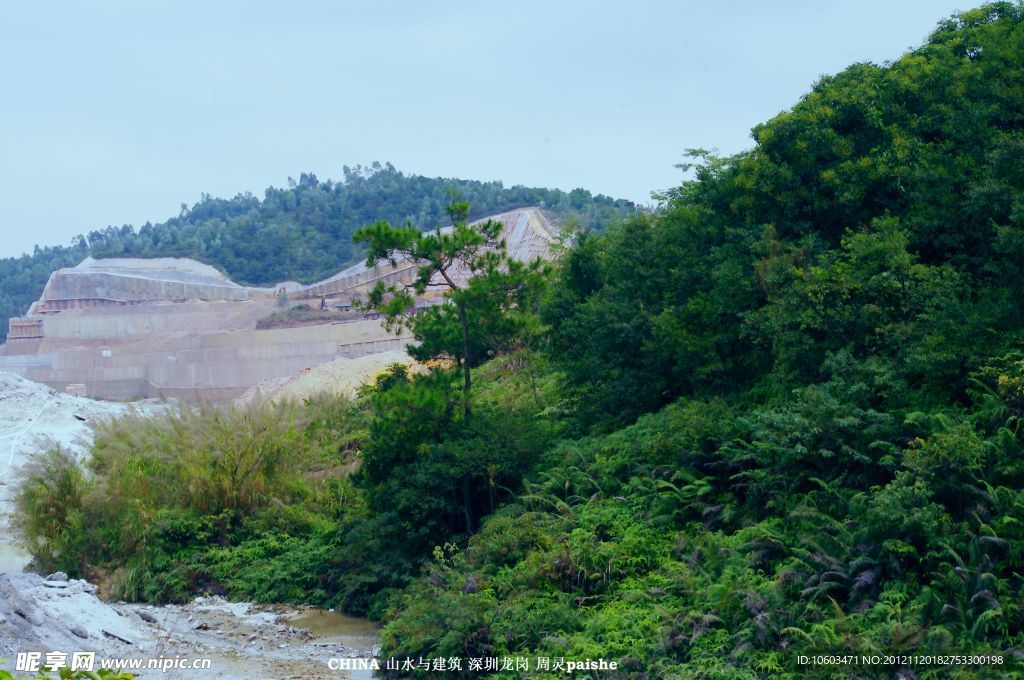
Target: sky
x: 117, y: 111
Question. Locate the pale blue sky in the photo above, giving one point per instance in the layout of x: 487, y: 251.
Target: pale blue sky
x: 117, y: 111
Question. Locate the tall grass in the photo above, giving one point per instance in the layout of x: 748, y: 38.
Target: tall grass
x: 163, y: 502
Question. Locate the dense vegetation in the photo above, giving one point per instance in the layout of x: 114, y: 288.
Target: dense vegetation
x: 779, y: 416
x: 242, y: 502
x: 302, y: 233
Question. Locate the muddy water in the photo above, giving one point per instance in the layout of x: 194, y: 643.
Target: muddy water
x: 12, y: 558
x: 332, y: 626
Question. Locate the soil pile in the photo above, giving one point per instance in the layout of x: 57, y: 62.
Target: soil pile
x: 341, y: 376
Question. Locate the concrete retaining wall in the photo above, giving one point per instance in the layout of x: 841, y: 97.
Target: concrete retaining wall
x: 129, y: 328
x: 68, y: 284
x: 205, y: 366
x: 145, y: 320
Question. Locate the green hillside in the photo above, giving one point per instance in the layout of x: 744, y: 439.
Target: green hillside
x: 832, y: 328
x: 302, y: 233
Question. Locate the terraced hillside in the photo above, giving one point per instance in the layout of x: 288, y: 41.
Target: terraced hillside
x: 129, y: 327
x: 301, y: 232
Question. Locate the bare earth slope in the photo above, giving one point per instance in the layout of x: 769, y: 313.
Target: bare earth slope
x: 341, y: 376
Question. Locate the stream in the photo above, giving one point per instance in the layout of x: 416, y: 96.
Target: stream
x: 332, y: 626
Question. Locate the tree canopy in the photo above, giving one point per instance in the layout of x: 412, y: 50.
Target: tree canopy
x: 881, y: 215
x: 489, y: 299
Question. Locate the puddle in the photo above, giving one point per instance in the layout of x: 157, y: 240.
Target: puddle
x: 12, y: 558
x: 337, y: 627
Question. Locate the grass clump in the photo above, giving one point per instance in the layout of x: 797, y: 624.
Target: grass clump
x: 221, y: 499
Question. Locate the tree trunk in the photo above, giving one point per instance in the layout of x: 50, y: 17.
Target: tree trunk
x: 467, y: 504
x: 465, y: 358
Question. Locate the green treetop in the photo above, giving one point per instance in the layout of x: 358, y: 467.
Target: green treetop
x: 490, y: 309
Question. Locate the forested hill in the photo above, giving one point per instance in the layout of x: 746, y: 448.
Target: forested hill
x: 303, y: 232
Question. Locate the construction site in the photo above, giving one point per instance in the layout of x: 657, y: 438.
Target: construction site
x: 176, y: 328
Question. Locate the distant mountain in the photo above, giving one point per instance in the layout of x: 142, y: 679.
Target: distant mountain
x: 303, y: 232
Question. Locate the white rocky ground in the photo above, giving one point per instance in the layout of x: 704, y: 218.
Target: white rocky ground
x: 34, y: 417
x: 55, y: 613
x: 242, y: 640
